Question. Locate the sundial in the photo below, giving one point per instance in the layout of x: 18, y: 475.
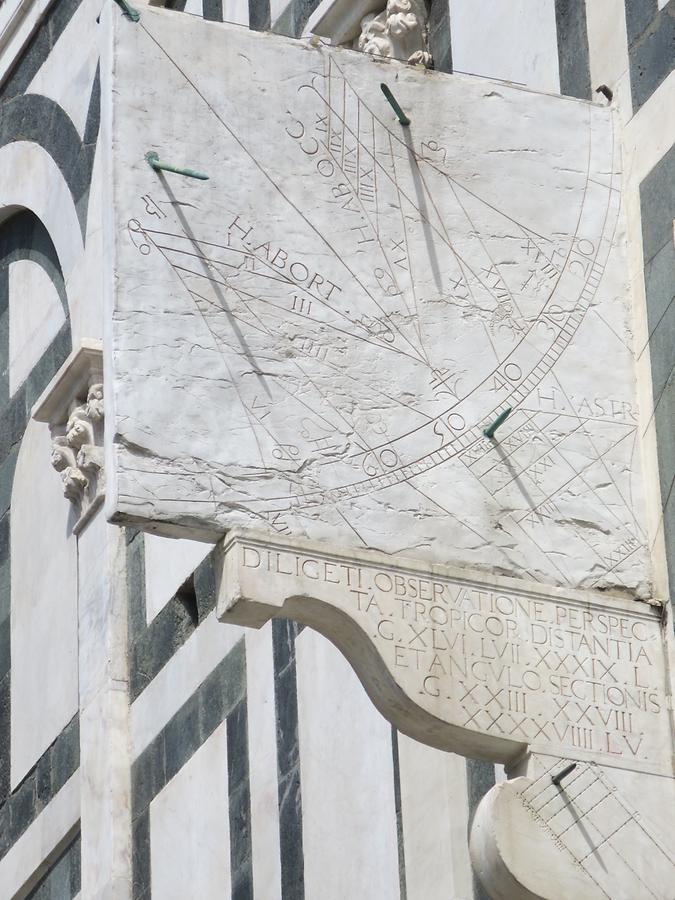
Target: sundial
x: 312, y: 329
x: 314, y: 339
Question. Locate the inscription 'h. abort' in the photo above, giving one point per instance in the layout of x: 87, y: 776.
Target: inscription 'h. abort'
x: 561, y: 675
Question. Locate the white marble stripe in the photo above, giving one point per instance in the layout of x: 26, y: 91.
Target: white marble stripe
x: 235, y: 11
x: 179, y: 679
x: 650, y: 133
x: 30, y: 178
x: 608, y: 51
x: 32, y: 854
x: 435, y: 811
x: 647, y: 137
x: 515, y: 41
x: 346, y: 768
x: 263, y: 764
x: 190, y: 827
x: 276, y: 9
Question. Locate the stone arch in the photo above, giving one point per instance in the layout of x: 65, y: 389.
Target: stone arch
x: 24, y: 236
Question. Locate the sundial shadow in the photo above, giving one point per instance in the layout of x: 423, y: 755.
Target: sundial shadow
x: 578, y: 823
x: 217, y: 290
x: 421, y: 191
x: 516, y: 475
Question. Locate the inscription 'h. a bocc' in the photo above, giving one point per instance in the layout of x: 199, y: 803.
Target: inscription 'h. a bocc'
x: 478, y: 665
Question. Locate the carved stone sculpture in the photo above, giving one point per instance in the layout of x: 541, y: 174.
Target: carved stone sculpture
x: 77, y: 452
x: 72, y: 406
x: 398, y: 32
x: 95, y: 403
x: 75, y: 482
x: 62, y: 455
x: 79, y: 429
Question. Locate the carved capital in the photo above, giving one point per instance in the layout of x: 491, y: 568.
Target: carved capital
x: 72, y: 405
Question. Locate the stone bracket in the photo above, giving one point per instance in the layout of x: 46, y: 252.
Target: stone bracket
x: 72, y: 406
x: 475, y: 664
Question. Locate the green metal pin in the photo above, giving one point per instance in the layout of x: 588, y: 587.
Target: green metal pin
x: 489, y: 432
x: 129, y: 10
x: 154, y: 162
x: 400, y: 115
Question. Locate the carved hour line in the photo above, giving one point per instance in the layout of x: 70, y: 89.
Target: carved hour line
x: 282, y: 280
x: 579, y: 472
x: 219, y: 350
x: 518, y: 524
x: 298, y: 314
x: 261, y: 328
x: 493, y: 266
x: 530, y: 230
x: 376, y: 231
x: 491, y: 450
x: 297, y: 399
x: 462, y: 522
x: 547, y: 451
x: 378, y: 165
x: 525, y: 229
x: 436, y: 230
x: 439, y: 170
x: 611, y: 512
x: 600, y: 459
x: 407, y: 249
x: 378, y: 392
x: 365, y: 213
x: 532, y: 375
x: 399, y: 439
x: 544, y: 554
x: 266, y: 175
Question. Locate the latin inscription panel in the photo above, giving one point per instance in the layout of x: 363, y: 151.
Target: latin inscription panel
x: 562, y: 673
x: 313, y: 340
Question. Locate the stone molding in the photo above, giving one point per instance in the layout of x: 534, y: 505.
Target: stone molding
x: 72, y: 406
x: 18, y: 21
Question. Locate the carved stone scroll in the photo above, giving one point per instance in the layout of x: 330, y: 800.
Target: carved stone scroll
x: 72, y: 405
x: 476, y: 664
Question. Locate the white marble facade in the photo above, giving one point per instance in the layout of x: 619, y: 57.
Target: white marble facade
x: 153, y: 751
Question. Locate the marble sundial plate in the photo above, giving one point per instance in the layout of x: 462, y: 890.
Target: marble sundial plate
x: 311, y: 341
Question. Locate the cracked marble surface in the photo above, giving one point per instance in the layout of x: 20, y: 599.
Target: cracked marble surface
x: 313, y: 340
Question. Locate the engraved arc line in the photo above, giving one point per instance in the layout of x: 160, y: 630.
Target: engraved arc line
x: 241, y: 144
x: 229, y: 130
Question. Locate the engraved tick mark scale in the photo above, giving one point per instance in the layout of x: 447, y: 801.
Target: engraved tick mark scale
x: 489, y: 432
x: 154, y: 162
x: 400, y: 115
